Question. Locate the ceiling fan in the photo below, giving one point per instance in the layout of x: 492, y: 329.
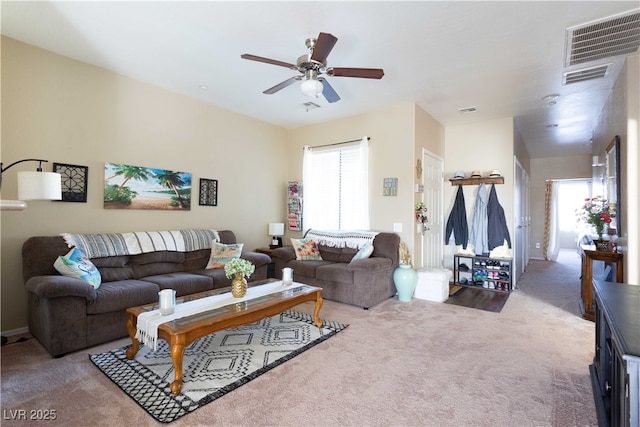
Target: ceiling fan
x: 313, y: 66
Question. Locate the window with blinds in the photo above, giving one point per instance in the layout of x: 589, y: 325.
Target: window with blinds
x: 336, y: 188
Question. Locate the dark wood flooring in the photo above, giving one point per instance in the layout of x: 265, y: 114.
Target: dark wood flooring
x: 482, y: 299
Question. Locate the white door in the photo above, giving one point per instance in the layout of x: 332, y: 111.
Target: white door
x: 521, y: 220
x: 432, y: 238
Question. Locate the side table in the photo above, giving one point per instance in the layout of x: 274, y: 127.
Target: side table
x: 271, y: 267
x: 589, y: 254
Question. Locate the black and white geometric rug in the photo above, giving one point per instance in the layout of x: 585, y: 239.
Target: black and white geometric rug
x: 213, y: 365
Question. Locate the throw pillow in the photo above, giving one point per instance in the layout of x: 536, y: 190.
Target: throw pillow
x: 306, y: 249
x: 364, y: 252
x: 222, y: 254
x: 76, y: 264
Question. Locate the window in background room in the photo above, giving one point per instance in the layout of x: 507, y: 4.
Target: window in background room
x: 571, y: 196
x: 335, y: 186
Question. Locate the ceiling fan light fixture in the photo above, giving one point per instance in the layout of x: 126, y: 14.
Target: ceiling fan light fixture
x: 311, y: 88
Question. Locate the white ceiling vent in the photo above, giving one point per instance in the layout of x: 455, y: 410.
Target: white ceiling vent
x: 590, y: 73
x: 605, y: 38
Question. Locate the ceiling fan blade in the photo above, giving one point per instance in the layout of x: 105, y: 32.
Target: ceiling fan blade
x: 267, y: 60
x: 364, y: 73
x: 328, y: 92
x: 323, y: 47
x: 281, y: 85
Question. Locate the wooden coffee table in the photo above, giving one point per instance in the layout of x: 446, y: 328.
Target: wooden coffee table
x: 180, y: 333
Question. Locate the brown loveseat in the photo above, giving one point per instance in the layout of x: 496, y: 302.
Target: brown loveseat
x: 68, y: 314
x: 363, y: 282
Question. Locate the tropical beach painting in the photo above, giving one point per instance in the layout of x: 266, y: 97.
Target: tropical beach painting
x: 136, y: 187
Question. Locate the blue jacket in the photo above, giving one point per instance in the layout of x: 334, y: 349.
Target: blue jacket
x: 497, y: 230
x: 479, y: 237
x: 457, y: 222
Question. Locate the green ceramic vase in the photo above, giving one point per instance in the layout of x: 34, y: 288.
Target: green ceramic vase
x: 405, y: 278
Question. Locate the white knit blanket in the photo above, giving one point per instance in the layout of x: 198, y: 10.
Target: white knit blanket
x: 341, y: 238
x: 138, y: 242
x: 148, y: 322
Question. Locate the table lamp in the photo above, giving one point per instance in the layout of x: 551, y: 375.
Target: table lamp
x: 276, y: 229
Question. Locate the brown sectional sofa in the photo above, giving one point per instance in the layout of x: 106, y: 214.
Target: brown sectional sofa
x: 364, y: 282
x: 67, y: 314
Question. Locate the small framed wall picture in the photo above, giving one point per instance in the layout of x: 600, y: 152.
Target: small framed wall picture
x: 208, y: 192
x: 74, y: 181
x: 390, y: 187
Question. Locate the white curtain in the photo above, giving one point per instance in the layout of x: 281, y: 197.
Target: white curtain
x: 355, y: 211
x: 335, y: 187
x: 552, y: 229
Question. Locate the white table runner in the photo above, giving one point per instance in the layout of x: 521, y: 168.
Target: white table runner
x: 148, y: 322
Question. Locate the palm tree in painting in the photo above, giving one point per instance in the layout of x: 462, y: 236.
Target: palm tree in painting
x: 129, y: 172
x: 172, y: 180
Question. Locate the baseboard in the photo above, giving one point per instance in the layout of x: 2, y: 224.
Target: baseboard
x: 18, y: 331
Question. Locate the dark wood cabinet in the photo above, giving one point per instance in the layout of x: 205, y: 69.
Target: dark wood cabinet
x: 611, y: 267
x: 615, y: 372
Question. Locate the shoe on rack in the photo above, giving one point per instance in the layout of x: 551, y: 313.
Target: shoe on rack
x: 463, y: 267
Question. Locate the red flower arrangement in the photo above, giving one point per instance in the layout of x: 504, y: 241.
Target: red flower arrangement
x: 597, y: 213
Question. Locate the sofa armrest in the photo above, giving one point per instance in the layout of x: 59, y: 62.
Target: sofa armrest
x: 60, y: 286
x: 284, y: 254
x: 373, y: 263
x: 256, y: 258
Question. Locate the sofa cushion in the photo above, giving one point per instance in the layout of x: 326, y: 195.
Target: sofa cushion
x: 306, y: 268
x: 336, y: 272
x: 76, y: 264
x: 154, y: 263
x: 114, y: 268
x: 306, y: 249
x: 120, y: 295
x: 196, y: 260
x: 330, y: 253
x: 182, y: 283
x: 222, y: 253
x: 347, y: 255
x: 218, y: 275
x: 364, y: 252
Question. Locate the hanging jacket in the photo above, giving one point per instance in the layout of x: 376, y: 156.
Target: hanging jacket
x: 497, y: 230
x: 479, y: 237
x: 457, y: 222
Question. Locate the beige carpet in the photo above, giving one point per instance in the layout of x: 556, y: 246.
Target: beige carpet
x: 417, y: 363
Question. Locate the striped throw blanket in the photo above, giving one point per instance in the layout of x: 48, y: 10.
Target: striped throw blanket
x: 341, y: 238
x: 115, y: 244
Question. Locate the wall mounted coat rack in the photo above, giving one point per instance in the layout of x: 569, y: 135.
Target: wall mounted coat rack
x: 477, y: 181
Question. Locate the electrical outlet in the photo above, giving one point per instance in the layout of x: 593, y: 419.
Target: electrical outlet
x: 397, y: 227
x: 538, y: 245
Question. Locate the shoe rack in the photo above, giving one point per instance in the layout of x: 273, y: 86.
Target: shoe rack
x: 492, y: 274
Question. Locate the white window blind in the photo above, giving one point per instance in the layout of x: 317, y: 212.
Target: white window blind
x: 335, y: 182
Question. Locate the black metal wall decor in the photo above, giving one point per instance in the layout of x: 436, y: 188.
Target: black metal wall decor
x: 208, y: 192
x: 74, y: 181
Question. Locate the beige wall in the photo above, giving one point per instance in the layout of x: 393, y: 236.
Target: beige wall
x: 620, y: 116
x: 390, y: 156
x: 632, y: 175
x: 479, y: 146
x: 429, y: 135
x: 70, y: 112
x: 543, y: 169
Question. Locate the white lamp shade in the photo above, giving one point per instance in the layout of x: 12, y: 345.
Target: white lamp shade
x: 312, y: 88
x: 276, y: 229
x: 39, y: 186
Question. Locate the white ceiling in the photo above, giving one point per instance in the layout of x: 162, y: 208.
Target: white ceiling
x: 500, y: 57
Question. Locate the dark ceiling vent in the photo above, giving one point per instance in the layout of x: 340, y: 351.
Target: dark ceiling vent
x: 467, y: 110
x: 590, y: 73
x: 605, y: 38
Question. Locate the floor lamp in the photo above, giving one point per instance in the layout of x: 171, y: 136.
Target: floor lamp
x: 32, y: 185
